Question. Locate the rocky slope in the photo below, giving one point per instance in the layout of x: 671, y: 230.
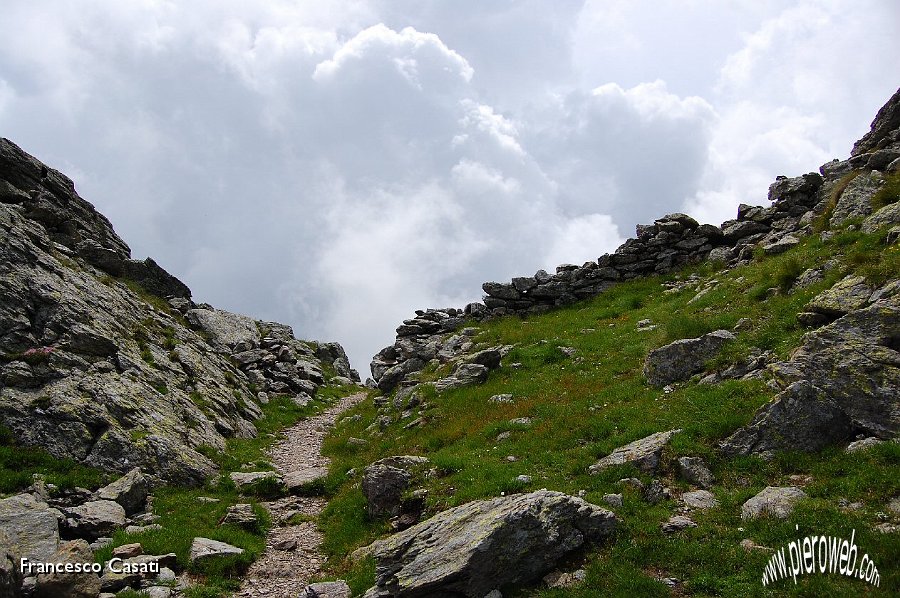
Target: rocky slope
x: 106, y: 360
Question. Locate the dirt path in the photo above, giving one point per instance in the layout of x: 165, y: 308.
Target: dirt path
x: 292, y: 554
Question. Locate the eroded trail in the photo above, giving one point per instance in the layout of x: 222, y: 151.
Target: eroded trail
x: 292, y: 555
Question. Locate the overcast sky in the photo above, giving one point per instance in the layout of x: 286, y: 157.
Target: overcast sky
x: 337, y: 165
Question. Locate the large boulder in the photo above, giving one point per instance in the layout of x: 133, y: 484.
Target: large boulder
x: 130, y: 491
x: 10, y: 571
x: 844, y: 380
x: 203, y: 549
x: 69, y: 585
x: 95, y: 519
x: 30, y: 527
x: 477, y: 547
x: 683, y: 358
x: 643, y: 454
x: 886, y: 217
x: 385, y: 482
x: 856, y: 199
x: 774, y: 501
x: 223, y: 328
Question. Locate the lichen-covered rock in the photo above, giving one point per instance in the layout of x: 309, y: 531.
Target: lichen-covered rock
x: 886, y: 217
x: 695, y: 471
x: 683, y: 358
x: 384, y: 483
x: 69, y: 585
x: 10, y: 571
x: 94, y: 519
x: 474, y: 548
x: 30, y: 527
x: 643, y: 454
x: 130, y: 491
x: 856, y: 199
x: 772, y: 501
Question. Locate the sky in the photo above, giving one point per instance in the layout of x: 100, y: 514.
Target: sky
x: 338, y: 165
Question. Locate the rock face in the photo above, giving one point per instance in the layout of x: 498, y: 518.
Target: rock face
x: 643, y: 454
x: 474, y: 548
x: 683, y: 358
x: 842, y: 381
x: 98, y: 361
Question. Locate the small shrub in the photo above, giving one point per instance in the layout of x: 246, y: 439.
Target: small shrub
x: 787, y: 274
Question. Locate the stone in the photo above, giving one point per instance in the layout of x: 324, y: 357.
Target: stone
x: 127, y: 551
x: 474, y: 548
x: 655, y: 492
x: 327, y: 589
x: 95, y: 519
x: 245, y: 479
x: 241, y: 515
x: 699, y: 499
x: 10, y: 569
x: 224, y: 329
x: 501, y: 399
x: 69, y: 585
x: 841, y: 381
x: 130, y: 491
x: 886, y: 122
x: 676, y: 523
x: 739, y: 230
x: 885, y: 217
x: 385, y: 482
x: 856, y: 199
x: 302, y: 479
x: 203, y: 549
x: 772, y: 501
x: 490, y: 358
x: 679, y: 360
x: 466, y: 374
x: 643, y: 454
x: 613, y: 500
x: 864, y: 444
x: 849, y: 294
x: 286, y: 545
x: 781, y: 245
x: 695, y: 471
x: 30, y: 527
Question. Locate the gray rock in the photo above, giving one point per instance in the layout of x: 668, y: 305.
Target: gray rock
x: 225, y: 329
x: 848, y: 294
x: 466, y: 374
x: 10, y: 571
x: 885, y: 124
x: 130, y: 491
x: 886, y: 217
x: 695, y: 471
x: 773, y: 501
x: 676, y: 523
x: 643, y: 454
x: 327, y: 589
x: 241, y: 515
x: 864, y: 444
x: 244, y: 479
x: 472, y: 549
x: 613, y: 500
x: 95, y: 519
x: 783, y: 244
x: 69, y: 585
x: 30, y: 527
x: 683, y: 358
x: 203, y: 549
x: 297, y: 481
x: 700, y: 499
x: 856, y: 199
x: 385, y: 482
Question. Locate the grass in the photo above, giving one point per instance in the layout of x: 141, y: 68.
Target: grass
x: 888, y: 193
x: 584, y: 406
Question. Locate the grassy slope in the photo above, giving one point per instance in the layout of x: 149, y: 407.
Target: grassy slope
x: 585, y: 406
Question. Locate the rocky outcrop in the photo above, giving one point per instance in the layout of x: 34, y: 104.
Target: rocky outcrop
x: 842, y: 381
x: 106, y: 360
x: 643, y: 453
x: 679, y: 360
x: 884, y: 133
x: 480, y: 546
x: 385, y: 482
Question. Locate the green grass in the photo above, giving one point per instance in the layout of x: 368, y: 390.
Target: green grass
x: 582, y: 407
x: 888, y: 193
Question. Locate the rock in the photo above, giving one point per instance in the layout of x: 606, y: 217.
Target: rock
x: 489, y: 358
x: 95, y: 519
x: 676, y: 523
x: 780, y: 246
x: 385, y: 482
x: 501, y: 399
x: 613, y: 500
x: 474, y: 548
x: 302, y: 479
x: 247, y: 479
x: 286, y: 545
x: 328, y: 589
x: 861, y: 445
x: 158, y: 592
x: 224, y: 329
x: 69, y: 585
x: 10, y: 569
x: 694, y: 470
x: 842, y: 381
x: 127, y: 551
x: 561, y: 580
x: 130, y: 491
x: 749, y: 545
x: 30, y: 527
x: 699, y: 499
x: 856, y: 199
x: 523, y: 479
x: 655, y: 492
x: 886, y: 217
x: 203, y: 549
x: 772, y: 501
x: 466, y: 374
x: 849, y: 294
x: 886, y: 122
x: 241, y: 515
x: 683, y: 358
x: 643, y: 454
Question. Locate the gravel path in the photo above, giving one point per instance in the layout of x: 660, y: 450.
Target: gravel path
x: 292, y: 554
